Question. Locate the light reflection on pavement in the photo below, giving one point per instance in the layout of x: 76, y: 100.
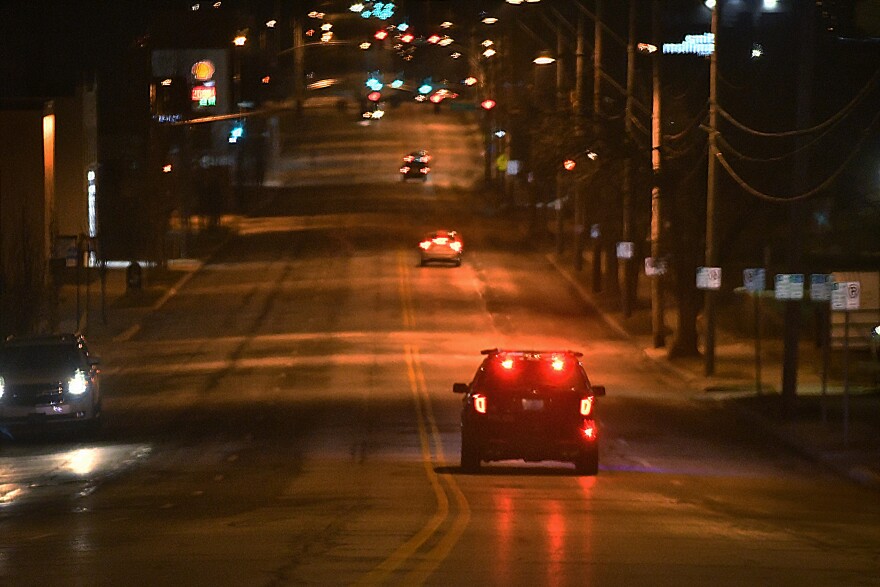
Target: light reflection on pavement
x: 28, y: 475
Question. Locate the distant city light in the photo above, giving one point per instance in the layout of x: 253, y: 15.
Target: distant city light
x: 239, y: 40
x: 446, y: 41
x: 271, y: 23
x: 356, y: 7
x: 489, y: 52
x: 455, y: 55
x: 490, y: 20
x: 469, y: 81
x: 397, y: 83
x: 757, y: 51
x: 487, y: 43
x: 365, y: 45
x: 445, y: 24
x: 166, y: 82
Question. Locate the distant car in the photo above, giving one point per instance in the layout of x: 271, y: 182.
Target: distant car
x: 530, y: 405
x: 48, y: 381
x: 443, y: 246
x: 415, y: 166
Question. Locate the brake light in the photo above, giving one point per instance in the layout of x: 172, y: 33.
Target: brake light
x: 425, y: 170
x: 586, y: 406
x: 455, y: 246
x: 557, y: 364
x: 589, y: 430
x: 404, y: 169
x: 441, y: 240
x: 425, y: 245
x: 479, y: 403
x: 507, y: 363
x: 408, y: 158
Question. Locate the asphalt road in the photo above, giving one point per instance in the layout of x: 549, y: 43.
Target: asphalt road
x: 287, y: 418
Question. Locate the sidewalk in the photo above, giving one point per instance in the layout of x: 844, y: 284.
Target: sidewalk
x: 839, y: 428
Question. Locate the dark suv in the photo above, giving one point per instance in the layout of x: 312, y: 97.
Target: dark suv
x: 48, y: 380
x: 530, y: 405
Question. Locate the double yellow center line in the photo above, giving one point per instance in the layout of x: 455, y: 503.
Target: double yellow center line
x: 424, y: 562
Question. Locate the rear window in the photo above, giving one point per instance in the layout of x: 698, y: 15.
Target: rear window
x: 495, y: 375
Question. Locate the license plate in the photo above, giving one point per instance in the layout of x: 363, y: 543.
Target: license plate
x: 533, y: 405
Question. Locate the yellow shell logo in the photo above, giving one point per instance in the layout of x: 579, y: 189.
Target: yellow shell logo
x: 203, y: 70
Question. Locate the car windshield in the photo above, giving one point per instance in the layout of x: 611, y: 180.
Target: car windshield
x: 38, y: 358
x: 530, y: 374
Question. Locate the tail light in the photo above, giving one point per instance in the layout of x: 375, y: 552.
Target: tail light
x: 425, y: 245
x: 425, y: 170
x: 586, y: 406
x: 479, y: 403
x: 507, y: 363
x: 404, y: 169
x: 589, y: 430
x: 455, y: 246
x: 441, y: 240
x: 558, y: 364
x: 408, y: 158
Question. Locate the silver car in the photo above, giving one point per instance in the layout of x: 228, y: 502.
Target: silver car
x: 48, y: 381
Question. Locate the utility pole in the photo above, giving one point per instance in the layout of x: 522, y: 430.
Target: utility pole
x: 657, y: 323
x: 711, y: 253
x: 792, y: 321
x: 596, y: 277
x: 299, y: 50
x: 579, y: 212
x: 628, y: 169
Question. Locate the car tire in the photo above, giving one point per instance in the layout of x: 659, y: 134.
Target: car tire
x: 470, y: 455
x: 587, y: 462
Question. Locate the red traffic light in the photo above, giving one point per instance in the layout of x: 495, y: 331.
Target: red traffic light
x: 487, y: 104
x: 374, y: 96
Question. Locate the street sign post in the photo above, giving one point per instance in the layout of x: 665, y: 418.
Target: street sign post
x: 845, y: 297
x: 789, y: 286
x: 709, y: 278
x: 624, y: 250
x: 755, y: 281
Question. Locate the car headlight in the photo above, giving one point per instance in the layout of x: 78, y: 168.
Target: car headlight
x: 78, y: 384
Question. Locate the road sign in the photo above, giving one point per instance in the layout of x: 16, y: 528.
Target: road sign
x: 708, y: 277
x: 789, y: 286
x: 820, y: 287
x: 655, y: 266
x: 624, y: 250
x: 846, y: 295
x: 754, y: 279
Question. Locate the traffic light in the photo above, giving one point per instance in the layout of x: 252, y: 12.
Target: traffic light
x: 487, y: 104
x: 374, y: 96
x: 236, y: 133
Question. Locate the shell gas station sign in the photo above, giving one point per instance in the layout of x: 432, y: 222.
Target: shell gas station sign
x: 204, y: 94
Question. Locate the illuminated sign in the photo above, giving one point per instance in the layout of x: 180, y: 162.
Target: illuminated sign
x: 205, y: 95
x: 203, y: 70
x: 702, y: 45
